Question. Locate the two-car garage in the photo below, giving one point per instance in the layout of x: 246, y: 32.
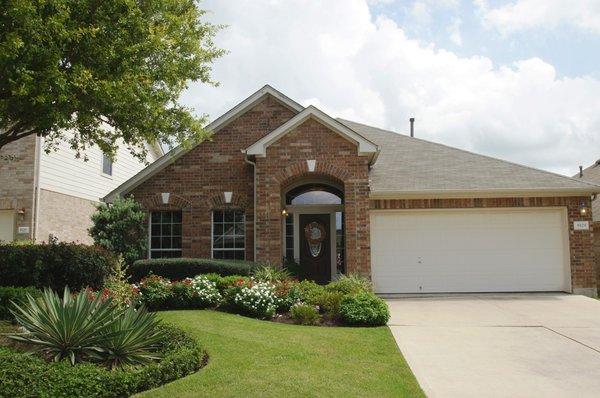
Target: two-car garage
x: 470, y: 250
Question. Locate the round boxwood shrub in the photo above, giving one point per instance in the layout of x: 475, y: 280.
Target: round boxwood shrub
x: 364, y: 309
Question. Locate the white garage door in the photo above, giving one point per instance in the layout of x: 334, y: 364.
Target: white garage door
x: 469, y: 251
x: 7, y: 225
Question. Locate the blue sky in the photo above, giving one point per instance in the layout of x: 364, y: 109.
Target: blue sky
x: 572, y: 51
x: 517, y: 80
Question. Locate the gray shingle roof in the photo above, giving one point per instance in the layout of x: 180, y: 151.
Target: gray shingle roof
x: 414, y: 166
x: 592, y: 174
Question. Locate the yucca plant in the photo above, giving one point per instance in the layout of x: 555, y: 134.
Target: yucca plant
x: 266, y: 273
x: 132, y: 339
x: 87, y: 327
x: 72, y: 328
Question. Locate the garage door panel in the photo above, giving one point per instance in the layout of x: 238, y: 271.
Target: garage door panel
x: 462, y: 251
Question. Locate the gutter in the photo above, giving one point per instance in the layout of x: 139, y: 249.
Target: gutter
x: 36, y: 185
x: 476, y: 193
x: 254, y: 206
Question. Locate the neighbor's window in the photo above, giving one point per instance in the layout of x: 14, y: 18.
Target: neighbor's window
x: 229, y: 235
x: 165, y: 234
x: 106, y: 165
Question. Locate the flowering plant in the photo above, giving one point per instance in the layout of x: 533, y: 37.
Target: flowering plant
x: 155, y: 291
x: 255, y: 299
x: 205, y: 292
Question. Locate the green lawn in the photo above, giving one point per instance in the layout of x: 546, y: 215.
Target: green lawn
x: 251, y: 358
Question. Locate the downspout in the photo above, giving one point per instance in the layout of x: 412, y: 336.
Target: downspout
x: 254, y: 207
x: 36, y: 212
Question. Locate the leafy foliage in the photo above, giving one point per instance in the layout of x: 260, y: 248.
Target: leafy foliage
x: 130, y: 339
x: 350, y: 284
x: 66, y: 329
x: 364, y: 309
x: 156, y: 292
x: 266, y: 273
x: 108, y: 70
x: 85, y: 327
x: 305, y: 314
x: 9, y: 294
x: 23, y: 375
x: 180, y: 268
x: 55, y: 265
x: 120, y: 228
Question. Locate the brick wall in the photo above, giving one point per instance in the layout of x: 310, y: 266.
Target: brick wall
x: 198, y: 179
x: 583, y: 274
x: 597, y: 251
x: 17, y: 181
x: 337, y: 160
x: 65, y: 217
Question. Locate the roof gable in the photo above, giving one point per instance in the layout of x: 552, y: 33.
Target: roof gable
x: 365, y: 147
x: 214, y: 126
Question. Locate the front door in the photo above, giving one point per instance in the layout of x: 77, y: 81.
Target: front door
x: 315, y: 247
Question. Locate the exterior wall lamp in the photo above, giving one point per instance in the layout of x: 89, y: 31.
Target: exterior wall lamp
x: 284, y: 213
x: 21, y: 212
x: 583, y: 210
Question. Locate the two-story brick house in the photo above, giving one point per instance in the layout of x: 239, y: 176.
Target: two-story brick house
x: 279, y: 180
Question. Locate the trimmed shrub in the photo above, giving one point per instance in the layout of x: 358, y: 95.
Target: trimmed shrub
x: 350, y: 284
x: 55, y: 265
x: 9, y: 294
x: 307, y: 291
x: 181, y: 268
x: 121, y: 228
x: 23, y: 375
x: 364, y: 309
x: 305, y: 314
x: 195, y: 293
x: 329, y: 303
x: 256, y: 300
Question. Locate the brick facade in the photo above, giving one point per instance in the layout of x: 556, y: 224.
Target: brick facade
x: 199, y: 178
x: 583, y: 273
x: 597, y: 251
x: 65, y: 217
x: 17, y: 182
x: 336, y: 160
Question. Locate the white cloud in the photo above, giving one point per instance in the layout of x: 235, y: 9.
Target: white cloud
x: 454, y: 31
x: 336, y: 56
x: 547, y: 14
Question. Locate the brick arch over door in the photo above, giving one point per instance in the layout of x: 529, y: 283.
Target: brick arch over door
x: 271, y: 187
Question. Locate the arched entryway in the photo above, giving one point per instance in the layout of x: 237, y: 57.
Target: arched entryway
x: 313, y: 227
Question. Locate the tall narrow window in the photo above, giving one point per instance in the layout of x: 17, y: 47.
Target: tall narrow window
x: 106, y: 164
x: 289, y: 237
x: 229, y: 234
x: 165, y: 234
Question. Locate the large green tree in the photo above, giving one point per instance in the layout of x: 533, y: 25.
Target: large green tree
x: 103, y: 70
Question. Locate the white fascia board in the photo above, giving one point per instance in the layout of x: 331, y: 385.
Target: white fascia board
x: 214, y: 126
x: 480, y: 193
x: 365, y: 147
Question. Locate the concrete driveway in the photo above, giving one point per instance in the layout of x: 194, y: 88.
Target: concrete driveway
x: 501, y: 345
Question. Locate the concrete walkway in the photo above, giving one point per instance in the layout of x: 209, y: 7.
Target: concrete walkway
x: 501, y: 345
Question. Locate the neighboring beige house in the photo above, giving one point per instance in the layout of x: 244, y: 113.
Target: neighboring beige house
x: 44, y: 195
x: 592, y: 174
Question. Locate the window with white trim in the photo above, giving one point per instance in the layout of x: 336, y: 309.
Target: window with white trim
x: 165, y: 234
x: 107, y: 164
x: 229, y: 234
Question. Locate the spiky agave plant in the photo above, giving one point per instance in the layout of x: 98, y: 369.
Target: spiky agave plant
x: 132, y: 339
x: 72, y: 328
